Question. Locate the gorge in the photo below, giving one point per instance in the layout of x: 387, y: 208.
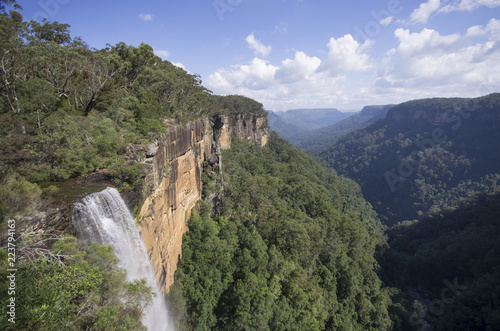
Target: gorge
x: 209, y: 209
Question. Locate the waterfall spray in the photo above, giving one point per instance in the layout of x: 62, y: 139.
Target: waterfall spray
x: 105, y: 219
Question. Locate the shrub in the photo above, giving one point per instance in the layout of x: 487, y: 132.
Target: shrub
x: 17, y: 195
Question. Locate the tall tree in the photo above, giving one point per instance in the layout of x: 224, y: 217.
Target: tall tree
x: 7, y: 3
x: 51, y: 31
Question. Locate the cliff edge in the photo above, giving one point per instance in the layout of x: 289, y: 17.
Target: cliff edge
x: 173, y: 186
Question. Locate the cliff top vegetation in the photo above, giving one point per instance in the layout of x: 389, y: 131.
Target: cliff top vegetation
x: 68, y: 109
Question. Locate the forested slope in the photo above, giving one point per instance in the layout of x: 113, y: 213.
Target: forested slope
x: 432, y: 168
x: 450, y: 262
x: 291, y: 249
x: 426, y: 155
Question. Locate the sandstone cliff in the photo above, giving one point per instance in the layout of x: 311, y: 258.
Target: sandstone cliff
x: 250, y: 130
x: 175, y: 183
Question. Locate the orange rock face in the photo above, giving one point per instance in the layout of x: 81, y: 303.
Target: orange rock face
x: 176, y: 176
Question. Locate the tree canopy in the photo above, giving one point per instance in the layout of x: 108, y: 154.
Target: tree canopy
x: 292, y: 249
x: 69, y: 288
x: 426, y: 155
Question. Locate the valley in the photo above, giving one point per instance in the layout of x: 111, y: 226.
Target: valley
x: 133, y: 197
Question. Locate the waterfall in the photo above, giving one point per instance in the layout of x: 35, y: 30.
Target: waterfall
x: 104, y: 218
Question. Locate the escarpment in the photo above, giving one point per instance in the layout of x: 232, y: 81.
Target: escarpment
x: 446, y: 110
x: 174, y: 183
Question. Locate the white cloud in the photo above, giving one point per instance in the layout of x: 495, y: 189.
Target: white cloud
x: 386, y: 21
x: 302, y: 67
x: 180, y: 65
x: 492, y: 29
x: 469, y: 5
x: 425, y: 63
x: 425, y: 41
x: 317, y: 92
x: 164, y: 54
x: 297, y: 82
x: 259, y: 48
x: 256, y: 76
x: 146, y: 17
x: 346, y: 54
x: 429, y: 64
x: 424, y: 11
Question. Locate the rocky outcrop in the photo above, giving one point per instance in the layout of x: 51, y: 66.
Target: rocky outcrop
x: 251, y: 130
x: 222, y: 131
x: 174, y: 183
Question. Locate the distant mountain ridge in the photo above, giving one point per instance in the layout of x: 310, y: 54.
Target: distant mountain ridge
x: 289, y: 123
x: 314, y: 141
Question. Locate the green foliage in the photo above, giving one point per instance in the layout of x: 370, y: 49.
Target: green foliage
x: 69, y: 110
x: 442, y: 156
x: 67, y: 146
x: 425, y: 155
x: 293, y: 249
x: 458, y: 248
x: 51, y: 31
x: 87, y: 291
x: 124, y: 173
x: 239, y: 105
x: 17, y: 195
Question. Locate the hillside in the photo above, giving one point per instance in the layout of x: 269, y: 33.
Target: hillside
x: 425, y: 155
x: 287, y: 124
x: 291, y: 247
x: 315, y: 141
x: 450, y: 264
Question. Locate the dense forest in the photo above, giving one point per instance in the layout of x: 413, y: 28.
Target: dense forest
x: 426, y: 155
x: 450, y: 263
x: 431, y: 170
x: 291, y: 248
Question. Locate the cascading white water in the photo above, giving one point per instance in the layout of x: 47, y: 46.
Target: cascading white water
x: 104, y: 218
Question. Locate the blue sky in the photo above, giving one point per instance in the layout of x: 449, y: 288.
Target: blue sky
x: 305, y: 53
